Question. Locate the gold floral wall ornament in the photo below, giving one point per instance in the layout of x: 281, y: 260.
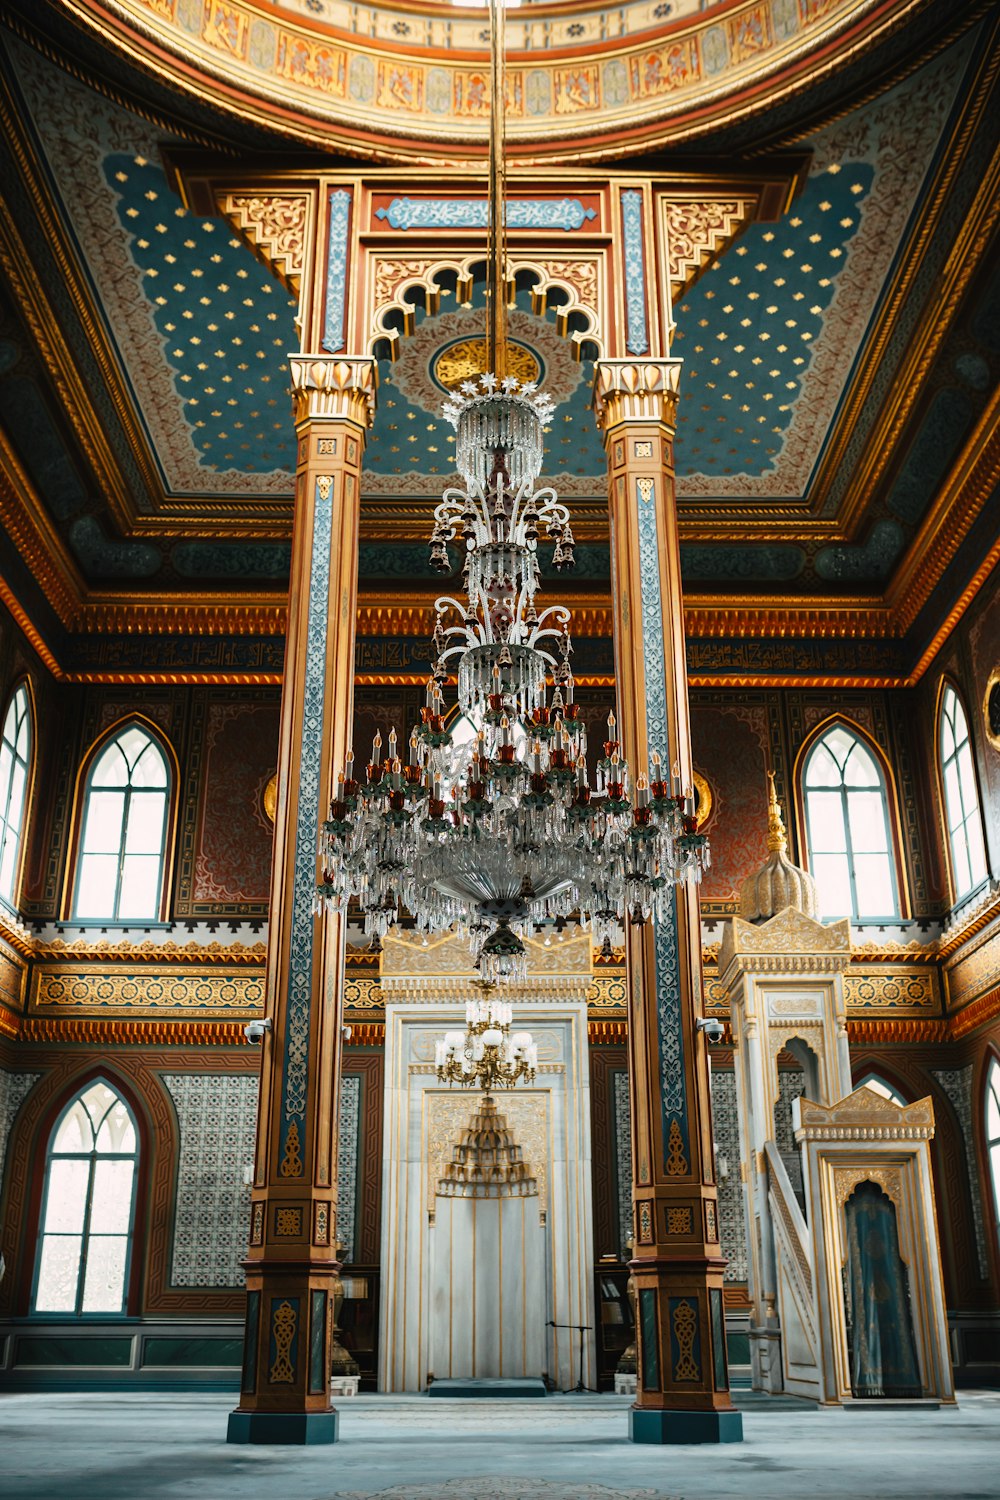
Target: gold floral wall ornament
x: 991, y: 709
x: 466, y: 360
x: 269, y: 797
x: 704, y: 799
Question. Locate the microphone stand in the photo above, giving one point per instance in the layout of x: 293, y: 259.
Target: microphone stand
x: 579, y: 1388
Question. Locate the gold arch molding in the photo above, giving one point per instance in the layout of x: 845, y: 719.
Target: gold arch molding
x: 387, y: 79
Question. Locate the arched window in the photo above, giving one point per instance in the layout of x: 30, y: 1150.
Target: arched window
x: 15, y: 771
x: 878, y: 1085
x: 961, y: 796
x: 119, y: 871
x: 88, y: 1207
x: 993, y: 1135
x: 847, y: 828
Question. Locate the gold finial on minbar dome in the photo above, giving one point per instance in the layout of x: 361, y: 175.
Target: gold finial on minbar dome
x: 777, y: 838
x: 778, y: 884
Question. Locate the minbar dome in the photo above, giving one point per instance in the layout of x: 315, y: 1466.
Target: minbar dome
x: 778, y: 883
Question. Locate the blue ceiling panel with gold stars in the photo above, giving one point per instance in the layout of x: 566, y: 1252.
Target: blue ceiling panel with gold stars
x: 745, y: 330
x: 225, y: 323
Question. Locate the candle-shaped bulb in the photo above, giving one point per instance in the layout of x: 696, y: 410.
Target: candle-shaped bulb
x: 392, y: 744
x: 611, y: 725
x: 349, y: 766
x: 377, y: 747
x: 414, y: 748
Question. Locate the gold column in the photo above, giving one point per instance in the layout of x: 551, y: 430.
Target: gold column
x: 292, y: 1263
x: 683, y: 1393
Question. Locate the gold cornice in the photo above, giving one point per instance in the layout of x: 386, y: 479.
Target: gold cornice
x: 37, y: 539
x: 958, y: 505
x: 98, y: 1033
x: 969, y: 245
x: 40, y: 317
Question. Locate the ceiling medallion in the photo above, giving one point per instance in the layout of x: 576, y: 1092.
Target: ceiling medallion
x: 467, y: 358
x: 508, y: 830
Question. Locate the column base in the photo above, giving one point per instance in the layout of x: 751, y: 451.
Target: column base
x: 304, y: 1428
x: 651, y: 1425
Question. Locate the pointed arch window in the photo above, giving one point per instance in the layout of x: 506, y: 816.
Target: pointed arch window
x: 123, y: 836
x: 16, y: 743
x: 993, y: 1136
x: 88, y: 1207
x: 848, y: 832
x: 961, y: 796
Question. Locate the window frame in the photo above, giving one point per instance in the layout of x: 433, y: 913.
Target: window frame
x: 889, y: 810
x: 949, y: 685
x: 22, y: 685
x: 93, y: 1156
x: 87, y: 767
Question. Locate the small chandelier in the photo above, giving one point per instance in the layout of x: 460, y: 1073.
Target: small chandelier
x: 485, y: 1055
x: 517, y: 835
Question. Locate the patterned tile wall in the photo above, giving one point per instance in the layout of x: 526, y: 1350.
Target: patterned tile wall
x: 348, y: 1141
x: 217, y: 1119
x: 14, y: 1089
x: 623, y: 1154
x: 726, y: 1129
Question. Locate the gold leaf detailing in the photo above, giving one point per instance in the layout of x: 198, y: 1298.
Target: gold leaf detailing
x: 275, y: 228
x: 679, y: 1221
x: 283, y: 1321
x: 291, y: 1164
x: 685, y: 1322
x: 677, y: 1165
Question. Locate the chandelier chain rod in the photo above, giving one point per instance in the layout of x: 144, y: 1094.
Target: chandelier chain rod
x: 496, y: 274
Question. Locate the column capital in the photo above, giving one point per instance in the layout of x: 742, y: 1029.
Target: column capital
x: 636, y: 390
x: 333, y: 387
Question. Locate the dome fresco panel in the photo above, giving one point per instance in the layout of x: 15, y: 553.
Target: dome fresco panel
x: 773, y: 337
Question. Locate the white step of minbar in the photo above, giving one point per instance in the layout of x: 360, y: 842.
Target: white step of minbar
x: 344, y: 1385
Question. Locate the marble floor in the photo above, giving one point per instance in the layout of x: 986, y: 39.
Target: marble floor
x: 172, y: 1447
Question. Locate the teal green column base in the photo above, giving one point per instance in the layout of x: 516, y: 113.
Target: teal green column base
x: 652, y: 1426
x: 304, y: 1428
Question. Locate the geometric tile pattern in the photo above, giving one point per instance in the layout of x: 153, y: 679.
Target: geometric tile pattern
x: 791, y: 1085
x: 348, y: 1140
x: 217, y: 1122
x: 14, y: 1088
x: 726, y: 1130
x: 623, y: 1155
x: 957, y: 1084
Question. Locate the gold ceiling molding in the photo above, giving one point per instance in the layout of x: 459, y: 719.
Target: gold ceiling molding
x: 278, y: 227
x: 696, y: 231
x: 959, y: 502
x: 971, y: 243
x: 118, y: 1033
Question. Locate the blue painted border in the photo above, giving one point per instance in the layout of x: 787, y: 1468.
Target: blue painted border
x: 300, y: 969
x: 336, y: 269
x: 673, y: 1087
x: 471, y: 213
x: 637, y: 340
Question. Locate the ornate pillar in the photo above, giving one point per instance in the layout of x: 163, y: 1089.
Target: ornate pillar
x: 683, y: 1384
x: 291, y: 1264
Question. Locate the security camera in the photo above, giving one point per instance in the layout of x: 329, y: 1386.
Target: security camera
x: 713, y: 1029
x: 254, y: 1031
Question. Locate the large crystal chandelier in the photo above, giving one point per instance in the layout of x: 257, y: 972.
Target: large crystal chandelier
x: 485, y: 1055
x: 511, y: 832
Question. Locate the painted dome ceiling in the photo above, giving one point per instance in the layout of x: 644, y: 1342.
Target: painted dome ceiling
x: 838, y: 391
x: 379, y: 77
